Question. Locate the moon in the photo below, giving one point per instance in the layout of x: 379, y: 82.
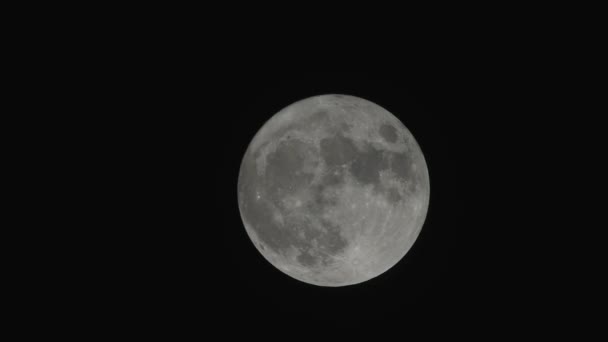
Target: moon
x: 333, y: 190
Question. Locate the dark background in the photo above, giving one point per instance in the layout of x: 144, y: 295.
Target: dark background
x: 472, y: 260
x: 482, y: 255
x: 452, y: 264
x: 144, y: 129
x: 418, y: 283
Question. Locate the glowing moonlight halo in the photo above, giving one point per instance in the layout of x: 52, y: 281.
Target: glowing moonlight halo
x: 333, y: 190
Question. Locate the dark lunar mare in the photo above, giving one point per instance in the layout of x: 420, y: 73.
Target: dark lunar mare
x: 393, y: 196
x: 402, y: 166
x: 366, y: 163
x: 259, y: 213
x: 283, y: 177
x: 388, y: 132
x: 338, y: 150
x: 284, y: 167
x: 366, y: 168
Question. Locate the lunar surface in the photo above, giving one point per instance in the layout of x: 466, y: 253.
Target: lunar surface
x: 333, y: 190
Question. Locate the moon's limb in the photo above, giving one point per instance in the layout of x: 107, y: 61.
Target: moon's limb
x: 333, y: 190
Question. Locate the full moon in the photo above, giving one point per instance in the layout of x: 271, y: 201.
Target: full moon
x: 333, y: 190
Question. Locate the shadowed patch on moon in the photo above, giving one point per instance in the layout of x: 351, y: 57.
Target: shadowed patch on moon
x: 262, y: 217
x: 333, y: 177
x: 260, y: 213
x: 328, y: 243
x: 338, y: 150
x: 368, y: 164
x: 319, y: 201
x: 285, y: 167
x: 306, y: 259
x: 393, y: 195
x: 401, y: 165
x: 389, y: 133
x: 319, y: 117
x: 327, y: 238
x: 365, y: 164
x: 296, y: 230
x: 308, y: 203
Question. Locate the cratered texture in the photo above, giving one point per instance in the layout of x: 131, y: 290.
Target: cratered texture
x: 333, y: 190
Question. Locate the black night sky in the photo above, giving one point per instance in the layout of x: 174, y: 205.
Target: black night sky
x: 475, y: 259
x: 153, y: 119
x: 469, y: 253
